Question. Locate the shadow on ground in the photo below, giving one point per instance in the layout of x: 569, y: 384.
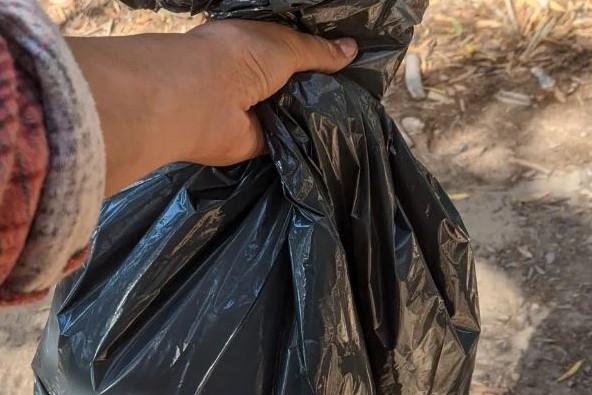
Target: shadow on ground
x: 522, y: 178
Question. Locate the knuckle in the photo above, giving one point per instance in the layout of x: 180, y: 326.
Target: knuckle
x: 333, y: 52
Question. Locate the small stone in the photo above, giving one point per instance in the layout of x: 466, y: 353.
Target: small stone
x: 546, y: 82
x: 550, y: 257
x: 413, y: 125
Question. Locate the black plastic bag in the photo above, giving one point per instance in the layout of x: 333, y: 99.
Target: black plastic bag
x: 337, y: 265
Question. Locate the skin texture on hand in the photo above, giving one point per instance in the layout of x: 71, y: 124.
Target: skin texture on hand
x: 164, y: 98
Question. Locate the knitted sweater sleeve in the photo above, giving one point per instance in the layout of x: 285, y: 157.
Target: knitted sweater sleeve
x: 52, y: 161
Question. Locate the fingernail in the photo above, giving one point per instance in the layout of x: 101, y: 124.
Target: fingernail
x: 348, y: 46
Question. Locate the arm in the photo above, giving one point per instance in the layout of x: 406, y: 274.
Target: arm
x: 160, y: 99
x: 163, y: 98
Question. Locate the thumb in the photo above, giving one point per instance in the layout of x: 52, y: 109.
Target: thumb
x: 315, y: 53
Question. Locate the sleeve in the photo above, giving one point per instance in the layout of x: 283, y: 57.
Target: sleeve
x: 52, y: 160
x: 23, y: 159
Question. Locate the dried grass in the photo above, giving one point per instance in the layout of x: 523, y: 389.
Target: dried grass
x: 498, y: 34
x: 113, y: 18
x: 488, y: 36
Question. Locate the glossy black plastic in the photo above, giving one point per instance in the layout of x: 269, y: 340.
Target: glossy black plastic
x: 336, y: 265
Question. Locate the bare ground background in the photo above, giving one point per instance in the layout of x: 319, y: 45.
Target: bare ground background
x: 515, y: 154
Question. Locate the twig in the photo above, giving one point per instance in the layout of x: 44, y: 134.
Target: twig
x: 545, y: 27
x: 531, y: 165
x: 413, y: 79
x: 512, y: 14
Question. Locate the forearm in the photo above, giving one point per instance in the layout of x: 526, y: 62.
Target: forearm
x: 126, y: 77
x: 188, y: 97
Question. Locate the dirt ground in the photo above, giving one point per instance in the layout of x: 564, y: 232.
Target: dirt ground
x: 521, y: 175
x: 518, y: 166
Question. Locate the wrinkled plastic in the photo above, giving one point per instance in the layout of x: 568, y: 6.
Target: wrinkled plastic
x: 382, y: 28
x: 336, y: 265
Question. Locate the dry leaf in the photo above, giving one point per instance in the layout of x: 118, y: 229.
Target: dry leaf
x: 468, y: 50
x: 571, y: 371
x: 488, y: 23
x: 456, y: 26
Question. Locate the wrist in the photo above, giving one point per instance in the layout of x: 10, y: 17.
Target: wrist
x: 128, y: 79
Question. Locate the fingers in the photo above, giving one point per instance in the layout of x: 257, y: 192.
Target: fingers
x: 314, y: 53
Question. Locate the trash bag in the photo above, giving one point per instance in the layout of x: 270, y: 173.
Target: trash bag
x: 383, y: 29
x: 334, y: 265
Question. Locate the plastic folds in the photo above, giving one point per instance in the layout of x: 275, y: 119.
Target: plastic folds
x: 336, y: 265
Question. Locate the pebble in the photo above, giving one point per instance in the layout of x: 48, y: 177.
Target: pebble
x: 413, y: 125
x: 546, y: 82
x: 550, y: 257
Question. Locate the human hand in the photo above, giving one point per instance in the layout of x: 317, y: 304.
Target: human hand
x: 164, y: 98
x: 247, y: 62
